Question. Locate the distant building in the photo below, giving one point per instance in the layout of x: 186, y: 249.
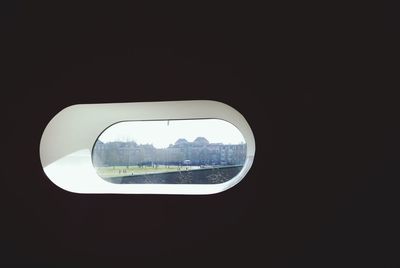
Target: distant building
x: 182, y: 152
x: 202, y: 152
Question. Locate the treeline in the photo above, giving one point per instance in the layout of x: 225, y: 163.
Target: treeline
x: 132, y: 154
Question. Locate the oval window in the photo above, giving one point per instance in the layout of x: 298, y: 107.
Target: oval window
x: 174, y: 147
x: 200, y: 151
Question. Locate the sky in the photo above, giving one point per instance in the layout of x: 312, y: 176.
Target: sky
x: 161, y: 134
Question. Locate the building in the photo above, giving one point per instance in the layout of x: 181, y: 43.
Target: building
x: 182, y: 152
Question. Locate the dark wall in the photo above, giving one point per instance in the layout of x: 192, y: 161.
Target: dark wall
x: 305, y: 202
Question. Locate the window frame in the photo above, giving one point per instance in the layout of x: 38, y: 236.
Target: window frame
x: 67, y: 142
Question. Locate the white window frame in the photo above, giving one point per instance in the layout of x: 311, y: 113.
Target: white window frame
x: 67, y: 142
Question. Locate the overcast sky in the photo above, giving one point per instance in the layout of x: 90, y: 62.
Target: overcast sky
x: 161, y: 134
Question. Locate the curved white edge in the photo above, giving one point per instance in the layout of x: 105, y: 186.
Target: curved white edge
x: 68, y: 139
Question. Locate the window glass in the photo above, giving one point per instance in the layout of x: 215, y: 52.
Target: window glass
x: 198, y: 151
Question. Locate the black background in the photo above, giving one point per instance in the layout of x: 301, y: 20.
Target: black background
x: 311, y: 198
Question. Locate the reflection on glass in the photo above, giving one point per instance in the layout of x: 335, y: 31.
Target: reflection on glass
x: 200, y: 151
